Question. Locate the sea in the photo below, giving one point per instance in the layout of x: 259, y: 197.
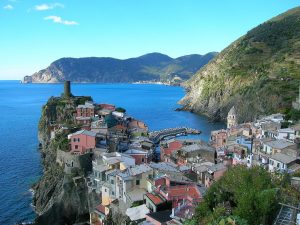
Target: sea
x: 21, y: 104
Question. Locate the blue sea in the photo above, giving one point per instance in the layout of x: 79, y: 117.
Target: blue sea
x: 21, y: 104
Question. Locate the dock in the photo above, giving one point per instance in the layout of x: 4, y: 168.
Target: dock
x: 157, y: 136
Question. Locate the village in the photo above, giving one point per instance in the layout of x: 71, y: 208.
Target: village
x: 134, y: 181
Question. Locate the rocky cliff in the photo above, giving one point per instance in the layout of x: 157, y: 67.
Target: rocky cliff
x: 60, y: 197
x: 154, y: 66
x: 259, y: 73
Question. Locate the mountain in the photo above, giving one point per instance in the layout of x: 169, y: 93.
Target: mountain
x: 258, y: 74
x: 153, y: 66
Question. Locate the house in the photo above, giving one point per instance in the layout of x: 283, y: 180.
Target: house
x: 178, y: 194
x: 131, y: 184
x: 85, y: 112
x: 99, y: 126
x: 287, y: 134
x: 107, y: 106
x: 82, y: 141
x: 155, y: 202
x: 99, y: 215
x: 218, y: 138
x: 214, y: 173
x: 282, y: 162
x: 138, y: 126
x: 191, y: 152
x: 141, y: 156
x: 274, y: 146
x: 167, y: 148
x: 200, y: 169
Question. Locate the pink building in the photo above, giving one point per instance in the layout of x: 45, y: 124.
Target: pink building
x: 140, y: 156
x: 82, y: 141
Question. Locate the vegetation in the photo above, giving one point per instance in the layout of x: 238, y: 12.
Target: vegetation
x: 120, y: 109
x: 244, y: 196
x: 260, y: 71
x: 154, y: 66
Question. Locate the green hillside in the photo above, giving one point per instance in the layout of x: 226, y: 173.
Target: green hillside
x: 259, y: 73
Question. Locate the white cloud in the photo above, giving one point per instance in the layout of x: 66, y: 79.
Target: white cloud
x: 58, y: 19
x: 44, y: 7
x: 8, y: 7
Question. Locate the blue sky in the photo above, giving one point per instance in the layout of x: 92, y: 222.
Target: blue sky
x: 35, y: 33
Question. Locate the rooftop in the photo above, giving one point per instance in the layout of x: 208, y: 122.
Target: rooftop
x: 155, y: 198
x: 85, y: 132
x: 278, y: 144
x: 133, y: 171
x: 283, y: 158
x: 162, y: 216
x: 198, y: 147
x: 87, y: 105
x: 164, y: 166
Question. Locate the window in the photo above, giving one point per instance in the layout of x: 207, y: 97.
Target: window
x: 78, y: 139
x: 112, y: 192
x: 74, y: 139
x: 105, y: 190
x: 76, y: 146
x: 278, y: 164
x: 112, y: 181
x: 137, y: 182
x: 143, y: 160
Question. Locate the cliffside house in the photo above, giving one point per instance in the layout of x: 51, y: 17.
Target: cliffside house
x: 84, y: 113
x: 82, y: 141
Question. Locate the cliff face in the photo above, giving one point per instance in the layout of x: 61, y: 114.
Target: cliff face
x: 152, y: 66
x: 60, y: 198
x: 258, y: 74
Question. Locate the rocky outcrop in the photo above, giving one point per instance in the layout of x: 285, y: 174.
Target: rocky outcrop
x: 60, y: 197
x: 154, y: 66
x: 258, y: 74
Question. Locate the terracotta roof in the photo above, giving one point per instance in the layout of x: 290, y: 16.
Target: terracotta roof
x: 177, y: 191
x: 154, y: 198
x: 172, y: 146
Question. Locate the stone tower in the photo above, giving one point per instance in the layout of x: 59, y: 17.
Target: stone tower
x: 67, y: 92
x: 231, y: 118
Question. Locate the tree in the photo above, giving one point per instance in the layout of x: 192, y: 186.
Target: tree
x: 120, y: 109
x: 249, y: 193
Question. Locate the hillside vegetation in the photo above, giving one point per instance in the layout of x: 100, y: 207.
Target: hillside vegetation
x: 154, y: 66
x: 259, y: 71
